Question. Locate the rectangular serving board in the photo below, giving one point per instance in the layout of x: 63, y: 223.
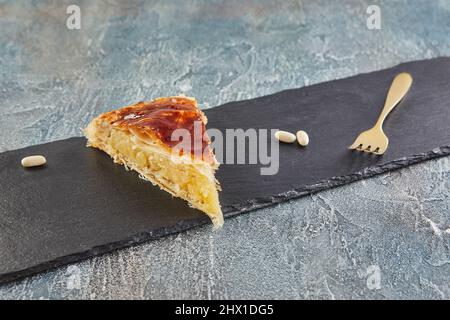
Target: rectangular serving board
x: 81, y: 204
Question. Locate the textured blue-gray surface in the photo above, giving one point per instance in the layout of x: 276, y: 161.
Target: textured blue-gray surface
x: 386, y: 237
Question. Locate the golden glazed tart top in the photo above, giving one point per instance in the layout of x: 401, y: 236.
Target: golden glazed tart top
x: 160, y: 118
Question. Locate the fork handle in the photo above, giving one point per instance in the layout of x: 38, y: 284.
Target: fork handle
x: 399, y: 87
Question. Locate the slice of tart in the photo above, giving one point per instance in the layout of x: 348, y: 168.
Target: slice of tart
x: 165, y: 141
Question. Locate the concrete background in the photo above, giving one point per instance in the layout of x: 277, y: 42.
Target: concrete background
x: 337, y: 244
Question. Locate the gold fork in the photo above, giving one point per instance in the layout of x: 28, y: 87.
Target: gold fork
x: 375, y: 140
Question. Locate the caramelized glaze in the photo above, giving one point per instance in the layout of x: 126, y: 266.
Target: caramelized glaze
x: 162, y: 117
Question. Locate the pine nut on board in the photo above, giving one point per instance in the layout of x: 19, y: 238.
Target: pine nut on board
x: 33, y: 161
x: 285, y: 136
x: 302, y: 138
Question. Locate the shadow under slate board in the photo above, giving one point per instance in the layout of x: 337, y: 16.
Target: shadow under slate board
x: 81, y: 204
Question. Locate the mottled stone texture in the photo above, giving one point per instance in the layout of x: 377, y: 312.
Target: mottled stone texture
x: 329, y: 245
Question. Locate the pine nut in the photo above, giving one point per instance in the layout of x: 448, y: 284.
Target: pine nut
x: 285, y: 136
x: 302, y: 138
x: 33, y: 161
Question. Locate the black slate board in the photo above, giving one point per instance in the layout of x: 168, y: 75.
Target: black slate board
x: 81, y: 204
